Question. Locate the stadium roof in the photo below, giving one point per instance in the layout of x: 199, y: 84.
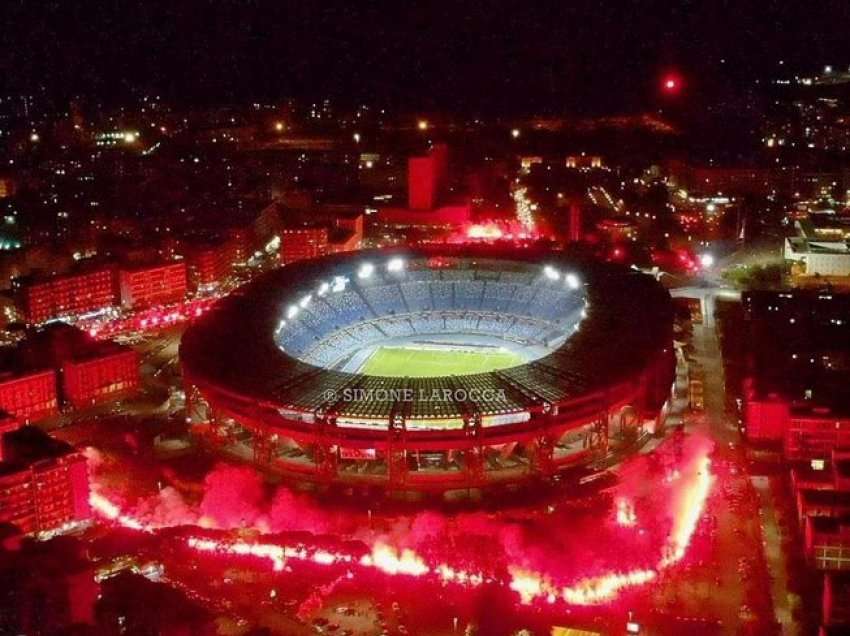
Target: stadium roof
x: 233, y: 350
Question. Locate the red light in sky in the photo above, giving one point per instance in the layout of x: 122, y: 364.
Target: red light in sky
x: 671, y: 83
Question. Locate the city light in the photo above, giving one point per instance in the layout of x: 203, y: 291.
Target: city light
x: 706, y: 260
x: 515, y: 133
x: 524, y: 208
x: 551, y: 273
x: 573, y: 281
x: 422, y: 124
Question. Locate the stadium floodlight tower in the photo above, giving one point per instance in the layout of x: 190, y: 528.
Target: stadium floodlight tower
x: 572, y: 280
x: 339, y: 283
x: 366, y: 270
x: 395, y: 264
x: 551, y: 273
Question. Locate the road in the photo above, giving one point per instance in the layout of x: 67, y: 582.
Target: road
x: 724, y: 430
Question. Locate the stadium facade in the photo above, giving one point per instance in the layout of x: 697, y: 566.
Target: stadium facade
x: 274, y: 372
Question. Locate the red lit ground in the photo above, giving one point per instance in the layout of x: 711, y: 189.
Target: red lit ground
x: 676, y: 538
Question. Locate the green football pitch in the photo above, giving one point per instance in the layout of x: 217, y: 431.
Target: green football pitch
x: 424, y: 363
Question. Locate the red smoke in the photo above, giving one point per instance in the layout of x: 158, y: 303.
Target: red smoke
x: 233, y: 498
x: 569, y: 541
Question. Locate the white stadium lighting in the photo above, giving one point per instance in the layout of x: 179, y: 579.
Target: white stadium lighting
x: 292, y: 311
x: 306, y: 300
x: 323, y: 289
x: 551, y: 272
x: 339, y: 283
x: 365, y: 270
x: 395, y: 265
x: 573, y: 281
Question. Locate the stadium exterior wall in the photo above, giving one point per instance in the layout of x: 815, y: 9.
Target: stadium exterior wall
x: 598, y: 411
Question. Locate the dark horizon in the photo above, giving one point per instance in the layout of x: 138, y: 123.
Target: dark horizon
x: 495, y: 58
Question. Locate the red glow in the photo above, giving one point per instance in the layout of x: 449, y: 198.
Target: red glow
x: 489, y: 231
x: 416, y: 551
x: 671, y: 83
x: 147, y: 319
x: 496, y: 231
x: 680, y: 259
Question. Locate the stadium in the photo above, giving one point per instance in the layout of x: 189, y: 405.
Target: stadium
x: 444, y: 369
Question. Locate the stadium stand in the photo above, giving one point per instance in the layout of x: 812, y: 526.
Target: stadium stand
x: 516, y: 306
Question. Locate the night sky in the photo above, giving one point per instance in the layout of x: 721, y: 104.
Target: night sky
x: 486, y: 56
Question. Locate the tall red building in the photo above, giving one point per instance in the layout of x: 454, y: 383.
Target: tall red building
x: 42, y: 299
x: 100, y: 375
x: 29, y: 396
x: 421, y: 183
x: 299, y: 243
x: 158, y: 284
x: 44, y: 483
x: 426, y: 177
